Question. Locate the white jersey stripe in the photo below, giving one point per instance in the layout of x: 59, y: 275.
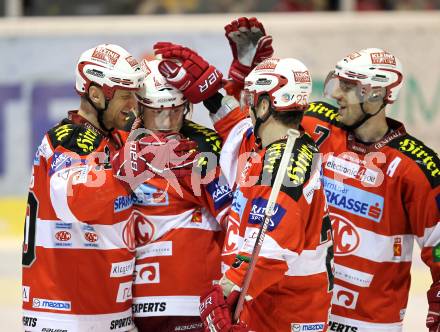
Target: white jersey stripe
x: 73, y: 235
x: 119, y: 322
x: 366, y: 326
x: 380, y: 248
x: 148, y: 306
x: 309, y: 262
x: 230, y: 151
x: 431, y: 236
x: 163, y: 224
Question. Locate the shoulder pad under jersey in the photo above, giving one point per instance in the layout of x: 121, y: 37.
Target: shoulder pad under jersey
x: 302, y: 163
x: 325, y: 112
x: 425, y: 158
x: 74, y: 137
x: 208, y: 141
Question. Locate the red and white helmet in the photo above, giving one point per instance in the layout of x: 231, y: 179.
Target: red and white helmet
x: 110, y: 67
x: 369, y: 68
x: 287, y: 82
x: 156, y: 92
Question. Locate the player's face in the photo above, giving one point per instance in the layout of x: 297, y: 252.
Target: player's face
x: 347, y: 96
x: 164, y: 119
x: 119, y: 108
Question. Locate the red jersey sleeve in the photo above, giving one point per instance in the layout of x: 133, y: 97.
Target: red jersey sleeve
x: 421, y: 195
x: 79, y: 178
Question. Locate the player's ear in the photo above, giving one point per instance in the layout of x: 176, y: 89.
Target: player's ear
x: 96, y: 95
x: 263, y: 107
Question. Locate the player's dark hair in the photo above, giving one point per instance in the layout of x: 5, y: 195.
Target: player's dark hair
x: 287, y: 118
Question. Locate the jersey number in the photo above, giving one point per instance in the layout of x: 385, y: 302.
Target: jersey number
x: 28, y: 256
x: 323, y: 132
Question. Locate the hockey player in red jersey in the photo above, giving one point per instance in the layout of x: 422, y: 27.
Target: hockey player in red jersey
x: 287, y: 292
x: 178, y: 233
x: 285, y: 282
x: 382, y: 187
x: 79, y: 248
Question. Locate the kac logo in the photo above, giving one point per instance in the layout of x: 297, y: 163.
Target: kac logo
x: 346, y: 238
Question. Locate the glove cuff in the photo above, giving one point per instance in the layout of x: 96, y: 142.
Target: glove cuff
x: 238, y: 71
x: 214, y: 102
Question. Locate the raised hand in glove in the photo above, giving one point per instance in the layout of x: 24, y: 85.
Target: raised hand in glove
x: 169, y: 155
x: 433, y: 317
x: 216, y: 311
x: 188, y: 71
x: 249, y: 44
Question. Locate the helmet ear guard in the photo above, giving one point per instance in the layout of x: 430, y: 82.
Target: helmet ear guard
x: 376, y: 95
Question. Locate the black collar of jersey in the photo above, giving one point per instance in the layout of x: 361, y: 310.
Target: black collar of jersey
x: 396, y: 129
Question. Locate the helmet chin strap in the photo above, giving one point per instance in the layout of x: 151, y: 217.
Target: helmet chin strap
x: 259, y: 121
x: 365, y: 118
x: 100, y: 113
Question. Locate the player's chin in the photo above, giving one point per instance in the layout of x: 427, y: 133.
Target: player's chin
x: 121, y: 123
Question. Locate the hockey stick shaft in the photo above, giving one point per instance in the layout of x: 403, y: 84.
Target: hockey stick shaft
x: 292, y: 135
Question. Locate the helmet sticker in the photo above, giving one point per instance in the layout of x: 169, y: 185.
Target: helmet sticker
x: 105, y: 55
x: 302, y: 76
x: 383, y: 58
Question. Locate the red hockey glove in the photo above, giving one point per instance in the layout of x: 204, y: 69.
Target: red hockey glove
x: 216, y: 312
x: 188, y: 71
x: 166, y: 154
x: 249, y: 44
x: 433, y: 317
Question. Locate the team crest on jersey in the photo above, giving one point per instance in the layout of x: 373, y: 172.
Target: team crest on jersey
x: 397, y: 248
x: 258, y: 210
x: 90, y: 236
x: 144, y: 229
x: 346, y: 238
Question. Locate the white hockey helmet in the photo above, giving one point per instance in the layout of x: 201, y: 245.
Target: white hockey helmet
x: 287, y: 82
x: 109, y: 66
x: 156, y: 92
x: 367, y: 69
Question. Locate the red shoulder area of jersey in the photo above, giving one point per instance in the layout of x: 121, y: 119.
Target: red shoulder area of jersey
x: 420, y: 155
